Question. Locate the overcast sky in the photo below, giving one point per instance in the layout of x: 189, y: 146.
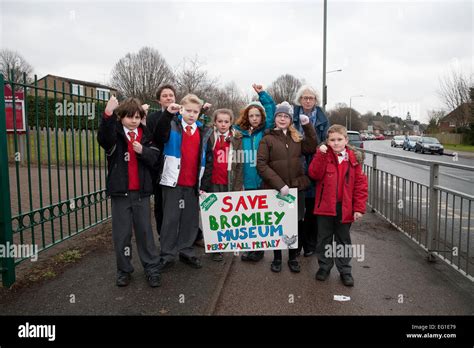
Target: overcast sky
x: 392, y: 52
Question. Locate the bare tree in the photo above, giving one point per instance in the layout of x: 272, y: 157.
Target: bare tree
x: 140, y: 74
x: 284, y: 88
x: 341, y: 113
x: 192, y: 78
x: 434, y: 117
x: 13, y: 64
x: 454, y: 89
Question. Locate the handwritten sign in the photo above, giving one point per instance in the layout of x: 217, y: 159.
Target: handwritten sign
x: 249, y: 220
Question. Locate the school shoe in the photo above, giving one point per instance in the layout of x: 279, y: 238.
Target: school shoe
x: 123, y: 279
x: 154, y: 280
x: 164, y: 265
x: 253, y: 256
x: 322, y: 274
x: 276, y: 266
x: 347, y: 279
x: 294, y: 266
x: 217, y: 257
x: 192, y: 261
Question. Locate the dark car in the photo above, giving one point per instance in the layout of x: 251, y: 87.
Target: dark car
x: 429, y: 144
x: 410, y: 142
x: 355, y: 139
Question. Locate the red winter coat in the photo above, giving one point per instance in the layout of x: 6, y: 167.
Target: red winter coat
x: 323, y: 169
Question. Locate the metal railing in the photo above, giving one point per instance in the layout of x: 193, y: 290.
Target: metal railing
x: 435, y: 217
x: 53, y: 173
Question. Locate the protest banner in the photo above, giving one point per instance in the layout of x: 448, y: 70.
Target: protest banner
x: 249, y: 220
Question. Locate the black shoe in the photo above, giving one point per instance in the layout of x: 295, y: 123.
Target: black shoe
x: 164, y: 265
x: 192, y: 261
x: 276, y: 266
x: 154, y: 280
x: 294, y: 266
x: 347, y: 279
x: 308, y: 253
x: 217, y: 257
x: 123, y: 279
x: 253, y: 256
x: 322, y: 274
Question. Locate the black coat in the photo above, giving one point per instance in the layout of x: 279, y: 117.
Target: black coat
x: 112, y: 138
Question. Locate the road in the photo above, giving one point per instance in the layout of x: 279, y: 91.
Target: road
x: 455, y: 179
x: 404, y: 200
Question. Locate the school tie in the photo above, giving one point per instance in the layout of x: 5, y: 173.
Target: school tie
x: 222, y: 140
x: 188, y: 130
x: 132, y: 136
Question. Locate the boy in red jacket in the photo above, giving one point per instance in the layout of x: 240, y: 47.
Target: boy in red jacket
x: 341, y: 196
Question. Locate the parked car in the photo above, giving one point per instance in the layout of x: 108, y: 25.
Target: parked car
x: 397, y: 141
x: 429, y: 144
x: 355, y: 139
x: 410, y: 142
x: 379, y: 137
x: 370, y: 136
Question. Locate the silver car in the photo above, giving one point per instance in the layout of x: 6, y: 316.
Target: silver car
x: 397, y: 141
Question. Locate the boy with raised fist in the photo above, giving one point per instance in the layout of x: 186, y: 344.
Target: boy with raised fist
x: 183, y: 139
x: 131, y: 155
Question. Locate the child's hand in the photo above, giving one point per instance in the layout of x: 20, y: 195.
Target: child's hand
x: 112, y: 104
x: 146, y: 107
x: 201, y: 192
x: 323, y: 148
x: 285, y: 190
x: 174, y: 108
x: 304, y: 119
x: 357, y: 216
x: 137, y: 147
x: 206, y: 106
x: 257, y: 88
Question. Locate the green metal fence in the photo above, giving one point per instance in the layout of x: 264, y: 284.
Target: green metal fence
x: 52, y: 174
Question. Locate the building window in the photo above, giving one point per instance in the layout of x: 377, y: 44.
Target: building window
x: 77, y: 89
x: 452, y: 124
x: 102, y: 94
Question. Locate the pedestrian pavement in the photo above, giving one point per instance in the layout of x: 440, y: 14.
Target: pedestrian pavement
x: 393, y: 279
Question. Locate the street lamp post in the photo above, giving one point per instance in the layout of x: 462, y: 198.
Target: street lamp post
x: 325, y: 93
x: 350, y: 110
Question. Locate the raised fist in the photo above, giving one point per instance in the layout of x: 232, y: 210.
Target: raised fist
x: 112, y: 104
x: 323, y: 148
x: 257, y: 88
x: 206, y: 106
x: 173, y: 108
x: 146, y: 107
x: 304, y: 119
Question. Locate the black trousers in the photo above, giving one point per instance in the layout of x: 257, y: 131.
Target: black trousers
x: 309, y: 229
x: 133, y: 212
x: 330, y: 227
x: 158, y: 208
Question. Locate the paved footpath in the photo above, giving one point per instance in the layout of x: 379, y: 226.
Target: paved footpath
x: 393, y: 279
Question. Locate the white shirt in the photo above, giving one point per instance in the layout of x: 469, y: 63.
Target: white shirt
x: 193, y: 129
x: 344, y: 156
x: 126, y: 130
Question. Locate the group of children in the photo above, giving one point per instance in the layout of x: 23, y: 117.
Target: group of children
x: 176, y: 158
